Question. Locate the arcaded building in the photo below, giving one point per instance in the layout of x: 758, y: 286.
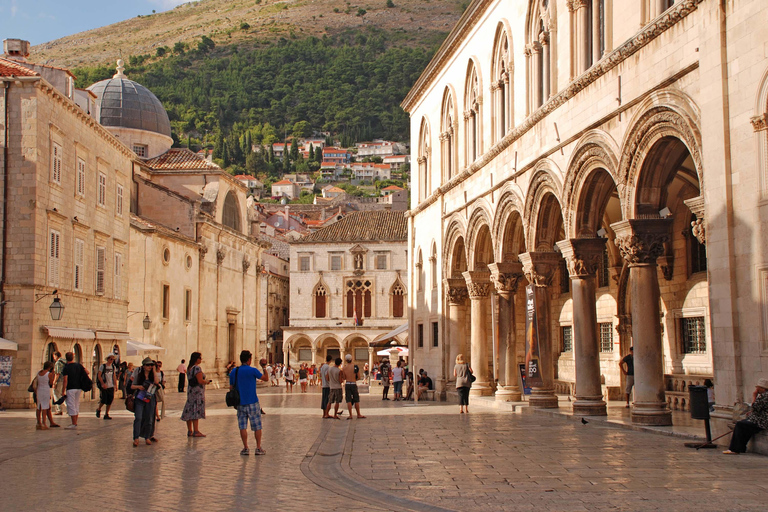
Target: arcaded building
x: 613, y: 157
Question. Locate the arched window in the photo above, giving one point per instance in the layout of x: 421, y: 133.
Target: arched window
x: 501, y: 86
x: 398, y: 300
x: 321, y: 301
x: 589, y: 42
x: 448, y: 136
x: 423, y: 161
x: 231, y: 214
x: 78, y: 354
x: 358, y: 295
x: 419, y: 272
x: 50, y: 351
x: 433, y: 267
x: 653, y: 8
x: 540, y: 52
x: 472, y: 117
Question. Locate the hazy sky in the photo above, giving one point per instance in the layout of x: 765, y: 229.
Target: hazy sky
x: 39, y: 21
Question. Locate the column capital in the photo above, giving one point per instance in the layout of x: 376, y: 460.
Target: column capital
x: 582, y: 255
x: 456, y: 290
x: 540, y: 267
x: 698, y: 228
x: 478, y: 283
x: 641, y: 241
x: 505, y: 277
x: 759, y: 123
x: 544, y: 38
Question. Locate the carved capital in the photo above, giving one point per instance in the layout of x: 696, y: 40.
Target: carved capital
x: 505, y: 277
x: 540, y: 267
x: 246, y: 264
x: 582, y: 255
x: 478, y: 284
x: 456, y: 291
x: 760, y: 123
x: 699, y: 230
x: 220, y: 255
x: 203, y: 251
x: 641, y: 241
x: 698, y: 227
x: 544, y: 38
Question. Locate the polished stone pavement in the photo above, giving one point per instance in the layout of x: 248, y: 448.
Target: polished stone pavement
x: 402, y: 457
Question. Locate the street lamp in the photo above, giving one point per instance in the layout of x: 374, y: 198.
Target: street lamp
x: 146, y: 322
x: 56, y: 308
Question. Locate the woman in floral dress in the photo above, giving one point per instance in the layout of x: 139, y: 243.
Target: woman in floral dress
x: 194, y: 409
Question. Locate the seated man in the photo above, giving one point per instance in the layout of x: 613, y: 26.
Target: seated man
x: 425, y: 384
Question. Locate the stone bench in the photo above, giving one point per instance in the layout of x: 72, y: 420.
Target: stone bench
x: 428, y: 395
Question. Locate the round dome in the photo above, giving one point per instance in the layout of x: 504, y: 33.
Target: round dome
x: 124, y: 103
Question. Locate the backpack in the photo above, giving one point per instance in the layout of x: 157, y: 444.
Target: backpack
x: 86, y: 384
x: 233, y: 395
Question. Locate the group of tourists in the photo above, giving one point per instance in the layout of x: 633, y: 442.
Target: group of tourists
x: 332, y: 376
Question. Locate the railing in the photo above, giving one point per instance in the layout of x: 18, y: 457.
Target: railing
x: 677, y: 389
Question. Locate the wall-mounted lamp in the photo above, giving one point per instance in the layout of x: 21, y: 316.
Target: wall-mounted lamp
x: 146, y: 322
x: 664, y: 212
x: 602, y: 233
x: 56, y: 308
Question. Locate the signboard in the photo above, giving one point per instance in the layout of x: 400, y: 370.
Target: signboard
x: 532, y: 357
x: 6, y: 364
x: 523, y: 380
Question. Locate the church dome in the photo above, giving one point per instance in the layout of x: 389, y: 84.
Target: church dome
x: 124, y: 103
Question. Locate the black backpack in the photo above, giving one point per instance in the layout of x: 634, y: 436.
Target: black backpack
x: 233, y: 395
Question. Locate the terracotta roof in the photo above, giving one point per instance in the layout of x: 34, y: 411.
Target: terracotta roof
x: 365, y: 226
x: 335, y: 189
x: 282, y: 182
x: 10, y: 68
x: 180, y: 159
x: 392, y: 187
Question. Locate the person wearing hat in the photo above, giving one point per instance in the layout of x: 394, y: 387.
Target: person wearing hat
x: 107, y: 382
x: 145, y: 382
x: 756, y: 420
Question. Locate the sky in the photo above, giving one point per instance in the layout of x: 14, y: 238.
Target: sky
x: 40, y: 21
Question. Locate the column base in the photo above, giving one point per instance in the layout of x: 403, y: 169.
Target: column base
x: 651, y: 413
x: 480, y: 389
x: 543, y: 399
x: 508, y: 394
x: 586, y: 407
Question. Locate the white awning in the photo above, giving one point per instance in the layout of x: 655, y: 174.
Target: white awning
x: 391, y: 334
x: 401, y: 351
x: 135, y: 348
x: 8, y: 344
x: 112, y: 335
x: 69, y: 333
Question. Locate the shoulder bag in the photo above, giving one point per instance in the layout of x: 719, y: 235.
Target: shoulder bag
x: 233, y: 395
x: 86, y: 384
x: 130, y: 404
x: 471, y: 376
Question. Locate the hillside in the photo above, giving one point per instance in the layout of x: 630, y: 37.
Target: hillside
x: 245, y: 22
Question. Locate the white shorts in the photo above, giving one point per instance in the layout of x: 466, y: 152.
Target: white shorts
x: 73, y: 401
x: 630, y: 384
x: 302, y: 381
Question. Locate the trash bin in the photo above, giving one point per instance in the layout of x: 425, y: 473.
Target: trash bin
x: 699, y: 402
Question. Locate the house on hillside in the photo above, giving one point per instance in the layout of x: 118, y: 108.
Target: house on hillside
x: 330, y: 192
x: 336, y: 155
x: 380, y: 148
x: 286, y: 188
x: 255, y: 187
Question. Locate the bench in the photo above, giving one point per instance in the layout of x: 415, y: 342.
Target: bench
x: 428, y: 396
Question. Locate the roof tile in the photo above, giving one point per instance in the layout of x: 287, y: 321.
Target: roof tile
x: 365, y: 226
x: 10, y: 68
x: 181, y: 159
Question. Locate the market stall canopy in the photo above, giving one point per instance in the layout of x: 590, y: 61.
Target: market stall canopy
x: 135, y: 348
x: 380, y: 340
x: 402, y: 351
x: 70, y: 333
x: 8, y: 344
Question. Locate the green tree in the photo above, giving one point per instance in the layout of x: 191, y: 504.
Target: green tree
x: 302, y: 129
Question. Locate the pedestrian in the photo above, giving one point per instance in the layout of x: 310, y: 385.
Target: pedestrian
x: 350, y: 375
x: 303, y: 378
x: 73, y: 374
x: 194, y: 409
x: 288, y: 373
x: 334, y: 385
x: 106, y: 380
x: 182, y: 369
x: 121, y: 378
x: 43, y: 385
x: 462, y: 371
x: 325, y: 404
x: 398, y: 376
x: 275, y: 377
x: 385, y: 377
x: 710, y: 394
x: 756, y: 420
x: 128, y: 378
x: 409, y: 379
x: 58, y: 383
x: 144, y: 385
x: 160, y: 395
x: 425, y: 384
x: 244, y: 378
x: 629, y: 372
x: 366, y: 374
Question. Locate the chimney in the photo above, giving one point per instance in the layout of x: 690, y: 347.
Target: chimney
x: 322, y: 214
x: 287, y: 215
x: 16, y: 49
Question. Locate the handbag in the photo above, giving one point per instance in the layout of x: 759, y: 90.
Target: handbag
x: 130, y: 404
x: 86, y: 384
x: 233, y: 395
x: 472, y: 377
x: 741, y: 411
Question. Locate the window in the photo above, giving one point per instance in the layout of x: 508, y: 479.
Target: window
x: 433, y: 268
x: 80, y: 185
x: 118, y: 275
x: 56, y: 156
x: 420, y: 335
x: 472, y: 115
x: 694, y: 335
x: 361, y: 354
x: 79, y: 263
x: 435, y: 335
x: 398, y: 296
x: 606, y: 337
x: 423, y: 161
x: 419, y: 268
x: 358, y: 298
x: 140, y: 150
x: 53, y: 258
x: 119, y: 201
x: 101, y: 267
x: 381, y: 262
x: 166, y: 301
x: 448, y: 136
x: 501, y: 86
x: 565, y: 279
x: 336, y: 262
x: 187, y: 305
x: 304, y: 263
x: 603, y: 272
x: 102, y: 198
x: 305, y: 354
x: 321, y: 301
x: 566, y: 333
x: 231, y: 215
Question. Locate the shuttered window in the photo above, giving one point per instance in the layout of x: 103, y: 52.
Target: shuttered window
x: 56, y: 156
x: 101, y: 267
x: 80, y: 185
x: 53, y: 258
x: 79, y: 263
x: 102, y: 198
x: 119, y: 200
x: 118, y: 275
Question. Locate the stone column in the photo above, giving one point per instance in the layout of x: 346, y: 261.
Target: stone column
x: 641, y: 241
x: 479, y: 288
x: 539, y: 269
x: 596, y: 53
x: 538, y: 87
x: 546, y: 61
x: 505, y: 277
x: 370, y: 360
x: 585, y: 57
x: 456, y: 292
x: 583, y: 257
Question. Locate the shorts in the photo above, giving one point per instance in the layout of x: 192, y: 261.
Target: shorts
x: 107, y: 396
x: 73, y: 401
x: 324, y: 401
x: 334, y: 396
x: 398, y: 387
x: 249, y: 412
x: 302, y: 381
x: 630, y: 383
x: 352, y: 395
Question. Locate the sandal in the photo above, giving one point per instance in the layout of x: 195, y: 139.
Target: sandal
x: 198, y: 434
x: 55, y: 425
x: 135, y: 443
x: 148, y: 442
x: 153, y: 439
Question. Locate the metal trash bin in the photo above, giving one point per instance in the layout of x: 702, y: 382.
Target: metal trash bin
x: 698, y: 402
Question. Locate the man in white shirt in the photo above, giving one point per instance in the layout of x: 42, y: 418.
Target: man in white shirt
x: 182, y: 369
x: 325, y: 404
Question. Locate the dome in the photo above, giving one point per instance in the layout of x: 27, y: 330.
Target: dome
x: 127, y: 104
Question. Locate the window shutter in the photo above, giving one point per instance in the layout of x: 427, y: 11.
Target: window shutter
x: 79, y: 250
x: 101, y: 263
x: 118, y: 275
x: 53, y: 261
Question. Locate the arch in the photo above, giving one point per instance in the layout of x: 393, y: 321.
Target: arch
x: 424, y: 163
x: 420, y: 271
x: 77, y: 350
x: 50, y: 350
x: 320, y: 302
x: 454, y: 235
x: 230, y: 216
x: 509, y: 210
x: 358, y: 294
x: 473, y: 116
x: 664, y: 116
x: 760, y: 126
x: 433, y: 265
x: 502, y: 82
x: 397, y: 292
x: 449, y: 134
x: 540, y: 52
x: 326, y: 339
x: 345, y: 343
x: 479, y: 219
x: 544, y: 181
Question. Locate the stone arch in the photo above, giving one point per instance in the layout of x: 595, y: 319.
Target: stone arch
x: 294, y: 340
x: 454, y: 241
x: 543, y: 182
x: 449, y: 134
x: 350, y: 338
x: 230, y: 215
x: 502, y: 81
x: 760, y: 126
x: 424, y: 159
x: 664, y: 116
x: 510, y: 206
x: 321, y: 297
x: 397, y: 298
x: 479, y: 224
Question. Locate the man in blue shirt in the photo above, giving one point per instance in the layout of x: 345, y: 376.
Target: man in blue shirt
x: 244, y: 377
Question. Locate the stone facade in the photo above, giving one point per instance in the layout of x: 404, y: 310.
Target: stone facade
x: 541, y: 124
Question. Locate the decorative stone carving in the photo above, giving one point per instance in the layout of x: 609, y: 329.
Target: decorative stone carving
x: 505, y: 277
x: 203, y: 251
x: 246, y: 264
x: 698, y: 228
x: 478, y: 284
x: 220, y: 255
x: 699, y: 231
x: 641, y: 241
x: 582, y: 255
x: 456, y: 291
x: 760, y: 123
x: 540, y: 267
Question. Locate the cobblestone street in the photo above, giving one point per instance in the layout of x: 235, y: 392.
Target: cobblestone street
x: 403, y: 457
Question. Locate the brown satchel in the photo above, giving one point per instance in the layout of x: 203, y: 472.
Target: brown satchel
x: 130, y: 402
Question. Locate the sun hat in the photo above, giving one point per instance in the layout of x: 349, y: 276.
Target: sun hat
x: 763, y: 383
x: 110, y: 356
x: 348, y: 357
x: 147, y: 360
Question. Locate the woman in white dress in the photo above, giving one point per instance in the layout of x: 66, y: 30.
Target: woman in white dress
x: 43, y: 385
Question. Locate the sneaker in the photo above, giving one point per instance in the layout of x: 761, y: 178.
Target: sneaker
x: 259, y: 451
x: 71, y: 427
x: 107, y: 417
x: 98, y: 413
x: 244, y: 451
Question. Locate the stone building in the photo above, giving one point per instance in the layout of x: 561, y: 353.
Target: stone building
x: 612, y: 155
x: 348, y: 288
x: 275, y: 290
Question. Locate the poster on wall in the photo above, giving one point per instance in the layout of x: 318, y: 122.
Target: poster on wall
x: 6, y: 364
x: 532, y: 358
x: 523, y: 380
